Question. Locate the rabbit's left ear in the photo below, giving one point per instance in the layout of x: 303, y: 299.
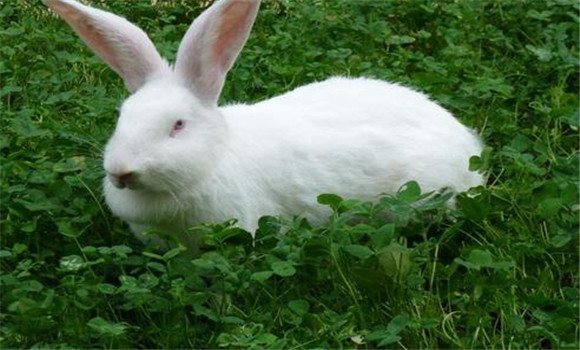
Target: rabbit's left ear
x: 121, y: 44
x: 212, y: 44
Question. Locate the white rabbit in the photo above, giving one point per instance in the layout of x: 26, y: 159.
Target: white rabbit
x: 176, y: 159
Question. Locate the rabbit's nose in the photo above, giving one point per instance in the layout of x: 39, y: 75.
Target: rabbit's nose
x: 126, y: 177
x: 122, y: 180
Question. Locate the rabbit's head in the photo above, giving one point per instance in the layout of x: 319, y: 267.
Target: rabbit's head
x: 170, y: 131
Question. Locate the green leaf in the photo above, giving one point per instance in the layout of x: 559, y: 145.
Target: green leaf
x: 72, y: 263
x: 340, y: 53
x: 428, y: 322
x: 390, y: 335
x: 349, y: 204
x: 262, y: 275
x: 383, y: 337
x: 521, y: 143
x: 483, y: 258
x: 30, y: 286
x: 543, y: 54
x: 398, y: 323
x: 435, y: 201
x: 377, y: 335
x: 480, y: 258
x: 542, y: 16
x: 399, y: 39
x: 486, y: 85
x: 148, y: 280
x: 549, y: 207
x: 13, y: 31
x: 389, y: 339
x: 225, y: 339
x: 560, y: 240
x: 106, y: 328
x: 475, y: 163
x: 230, y: 232
x: 383, y: 236
x: 481, y: 163
x: 201, y: 310
x: 106, y: 288
x: 395, y: 261
x: 29, y: 227
x: 90, y: 250
x: 359, y: 251
x: 172, y: 253
x: 331, y: 200
x: 231, y: 320
x: 153, y: 255
x: 121, y: 250
x: 18, y: 248
x: 265, y: 338
x: 128, y: 281
x: 300, y: 307
x: 204, y: 265
x: 409, y: 192
x: 516, y: 323
x: 66, y: 228
x: 283, y: 268
x: 70, y: 165
x: 474, y: 208
x: 156, y: 266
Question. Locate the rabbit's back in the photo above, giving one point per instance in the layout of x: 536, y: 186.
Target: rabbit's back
x: 353, y: 137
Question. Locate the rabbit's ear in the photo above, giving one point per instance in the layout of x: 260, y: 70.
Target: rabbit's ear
x: 212, y: 44
x: 124, y: 46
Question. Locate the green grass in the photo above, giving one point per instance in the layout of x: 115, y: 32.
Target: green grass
x: 500, y: 272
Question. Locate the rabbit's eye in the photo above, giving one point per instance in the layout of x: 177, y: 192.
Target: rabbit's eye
x: 179, y: 124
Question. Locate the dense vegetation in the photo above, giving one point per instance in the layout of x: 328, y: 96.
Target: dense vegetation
x: 500, y: 272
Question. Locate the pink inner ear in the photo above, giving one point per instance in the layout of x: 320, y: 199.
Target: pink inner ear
x: 237, y: 16
x: 87, y: 30
x: 100, y: 46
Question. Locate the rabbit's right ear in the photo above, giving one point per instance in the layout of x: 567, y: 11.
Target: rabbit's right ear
x: 121, y: 44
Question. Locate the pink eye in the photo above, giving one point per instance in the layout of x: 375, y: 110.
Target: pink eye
x: 179, y: 124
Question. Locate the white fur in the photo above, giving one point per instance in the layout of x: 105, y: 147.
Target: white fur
x: 353, y: 137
